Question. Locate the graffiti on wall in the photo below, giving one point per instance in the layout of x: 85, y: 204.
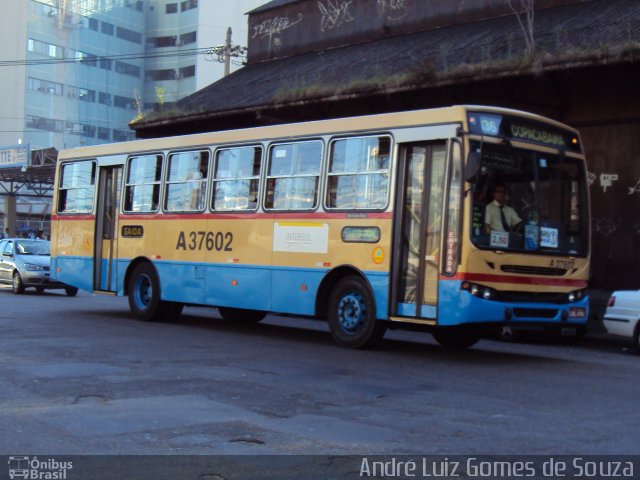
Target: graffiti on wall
x: 272, y: 28
x: 607, y: 179
x: 334, y: 13
x: 605, y: 227
x: 635, y: 188
x: 392, y: 10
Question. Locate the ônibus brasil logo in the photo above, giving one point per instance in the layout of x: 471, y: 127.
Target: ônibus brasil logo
x: 34, y: 469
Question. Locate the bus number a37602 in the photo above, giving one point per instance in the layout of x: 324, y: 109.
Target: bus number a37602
x: 201, y: 240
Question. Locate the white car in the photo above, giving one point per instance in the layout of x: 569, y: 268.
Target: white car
x: 623, y: 315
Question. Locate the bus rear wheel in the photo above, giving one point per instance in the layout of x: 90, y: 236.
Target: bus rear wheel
x: 456, y: 338
x: 352, y: 314
x: 144, y: 296
x: 241, y: 315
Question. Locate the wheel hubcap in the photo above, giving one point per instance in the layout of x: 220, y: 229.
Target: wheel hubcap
x: 351, y: 312
x: 143, y: 291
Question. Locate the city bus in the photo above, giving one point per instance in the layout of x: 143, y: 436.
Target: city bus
x: 369, y: 223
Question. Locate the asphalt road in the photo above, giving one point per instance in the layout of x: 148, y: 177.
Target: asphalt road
x: 81, y: 376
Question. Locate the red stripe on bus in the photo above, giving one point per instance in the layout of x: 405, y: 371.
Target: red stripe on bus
x: 484, y: 277
x: 73, y: 217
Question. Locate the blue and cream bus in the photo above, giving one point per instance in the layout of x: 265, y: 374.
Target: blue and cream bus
x: 368, y: 222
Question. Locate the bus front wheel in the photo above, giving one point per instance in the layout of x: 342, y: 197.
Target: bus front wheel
x: 144, y: 296
x: 352, y: 314
x: 456, y: 338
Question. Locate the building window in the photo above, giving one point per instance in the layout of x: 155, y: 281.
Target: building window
x: 123, y: 102
x: 128, y: 35
x: 142, y: 187
x: 294, y: 176
x: 169, y: 74
x: 189, y: 71
x: 188, y: 5
x: 187, y: 38
x: 43, y: 48
x: 93, y: 24
x: 83, y: 57
x: 88, y: 131
x: 44, y: 86
x: 104, y: 98
x: 106, y: 28
x: 103, y: 133
x: 186, y: 181
x: 127, y: 69
x: 236, y: 179
x: 41, y: 123
x: 86, y: 95
x: 121, y: 135
x: 77, y: 187
x: 105, y: 63
x: 172, y: 8
x: 159, y: 42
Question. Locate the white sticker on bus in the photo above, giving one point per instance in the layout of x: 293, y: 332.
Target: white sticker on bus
x: 499, y: 239
x: 548, y: 237
x: 301, y: 237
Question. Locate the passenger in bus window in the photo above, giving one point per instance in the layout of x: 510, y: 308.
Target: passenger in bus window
x: 499, y: 216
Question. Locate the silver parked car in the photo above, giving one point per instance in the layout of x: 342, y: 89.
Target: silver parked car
x: 25, y: 263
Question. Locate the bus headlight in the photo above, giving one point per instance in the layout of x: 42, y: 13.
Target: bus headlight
x: 576, y: 295
x: 478, y: 290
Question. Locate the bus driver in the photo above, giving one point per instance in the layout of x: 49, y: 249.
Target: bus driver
x: 498, y: 216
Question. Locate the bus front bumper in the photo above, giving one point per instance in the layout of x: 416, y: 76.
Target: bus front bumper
x: 459, y: 307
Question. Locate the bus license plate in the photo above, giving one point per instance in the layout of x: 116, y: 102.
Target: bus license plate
x: 577, y: 312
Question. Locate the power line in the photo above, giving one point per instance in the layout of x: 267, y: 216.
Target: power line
x: 85, y: 60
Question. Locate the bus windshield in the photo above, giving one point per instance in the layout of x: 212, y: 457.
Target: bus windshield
x: 530, y: 201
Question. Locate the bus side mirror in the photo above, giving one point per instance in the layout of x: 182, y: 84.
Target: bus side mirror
x: 473, y: 166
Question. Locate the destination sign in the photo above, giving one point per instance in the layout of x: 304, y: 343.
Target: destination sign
x: 517, y: 128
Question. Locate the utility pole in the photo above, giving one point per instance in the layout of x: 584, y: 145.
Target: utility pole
x: 227, y: 53
x: 224, y: 53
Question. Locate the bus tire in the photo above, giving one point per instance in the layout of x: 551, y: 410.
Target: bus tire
x: 71, y: 291
x: 352, y: 314
x: 456, y: 338
x: 241, y: 315
x: 144, y: 296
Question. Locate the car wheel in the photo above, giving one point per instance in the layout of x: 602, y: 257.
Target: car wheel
x: 456, y: 338
x: 241, y: 315
x: 144, y: 296
x: 71, y: 291
x: 40, y: 289
x: 636, y: 337
x: 352, y: 314
x: 18, y: 286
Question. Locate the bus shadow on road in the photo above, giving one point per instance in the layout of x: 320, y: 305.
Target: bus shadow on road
x: 313, y: 332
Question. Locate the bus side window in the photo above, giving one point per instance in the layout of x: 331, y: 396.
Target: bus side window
x: 294, y: 176
x: 358, y: 174
x: 236, y: 179
x: 77, y: 187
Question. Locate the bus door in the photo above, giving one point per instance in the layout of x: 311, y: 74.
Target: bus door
x: 417, y: 229
x: 104, y: 261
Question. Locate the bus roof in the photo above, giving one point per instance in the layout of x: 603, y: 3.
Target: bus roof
x: 382, y: 121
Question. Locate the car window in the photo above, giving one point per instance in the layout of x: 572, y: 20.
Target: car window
x: 32, y: 248
x: 3, y: 244
x: 8, y: 250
